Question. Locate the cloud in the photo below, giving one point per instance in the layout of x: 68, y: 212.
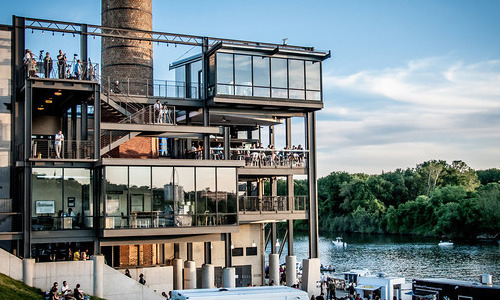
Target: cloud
x: 433, y: 82
x: 433, y: 108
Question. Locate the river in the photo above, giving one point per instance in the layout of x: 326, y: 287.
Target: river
x: 409, y: 257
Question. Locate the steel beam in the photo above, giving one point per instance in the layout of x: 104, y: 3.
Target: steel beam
x: 151, y: 36
x: 312, y: 185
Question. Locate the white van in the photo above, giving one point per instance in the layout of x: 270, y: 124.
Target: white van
x: 242, y: 293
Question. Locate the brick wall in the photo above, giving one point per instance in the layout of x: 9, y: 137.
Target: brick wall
x: 137, y: 147
x: 127, y: 60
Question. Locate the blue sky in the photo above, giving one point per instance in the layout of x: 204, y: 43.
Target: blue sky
x: 408, y: 81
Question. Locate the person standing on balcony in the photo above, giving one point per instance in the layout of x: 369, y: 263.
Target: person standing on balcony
x: 59, y: 139
x: 78, y: 69
x: 47, y: 64
x: 27, y: 61
x: 61, y: 64
x: 157, y: 111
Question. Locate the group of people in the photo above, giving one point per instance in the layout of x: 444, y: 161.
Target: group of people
x: 258, y: 155
x: 162, y: 113
x: 65, y: 292
x: 65, y: 71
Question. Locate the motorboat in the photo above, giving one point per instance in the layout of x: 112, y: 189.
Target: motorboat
x: 445, y: 244
x: 338, y: 242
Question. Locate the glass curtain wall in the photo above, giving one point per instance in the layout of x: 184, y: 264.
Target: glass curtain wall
x: 259, y: 76
x: 116, y: 215
x: 61, y: 198
x: 206, y: 195
x: 140, y: 197
x: 184, y: 196
x: 148, y: 197
x: 163, y: 195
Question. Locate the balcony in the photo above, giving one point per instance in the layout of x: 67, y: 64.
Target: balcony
x: 255, y: 208
x: 44, y: 148
x: 86, y: 71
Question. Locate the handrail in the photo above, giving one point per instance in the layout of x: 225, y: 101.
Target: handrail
x: 74, y: 149
x: 272, y: 203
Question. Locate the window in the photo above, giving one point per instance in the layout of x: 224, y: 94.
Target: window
x: 140, y: 189
x: 225, y: 68
x: 205, y: 188
x: 61, y: 198
x: 116, y: 197
x: 279, y: 73
x: 261, y: 75
x: 163, y: 194
x: 243, y: 70
x: 237, y: 252
x: 296, y: 74
x: 226, y: 190
x: 251, y: 251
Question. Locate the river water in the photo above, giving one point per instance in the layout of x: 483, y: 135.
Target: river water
x: 409, y: 257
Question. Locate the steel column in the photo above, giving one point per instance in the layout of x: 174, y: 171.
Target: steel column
x: 227, y: 143
x: 228, y: 257
x: 288, y: 132
x: 273, y: 238
x: 271, y: 135
x: 97, y: 123
x: 206, y: 115
x: 208, y: 253
x: 84, y: 46
x: 189, y: 251
x: 312, y: 184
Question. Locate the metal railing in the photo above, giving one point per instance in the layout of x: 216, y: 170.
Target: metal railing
x: 272, y: 203
x: 152, y: 88
x: 85, y: 71
x: 147, y: 115
x: 296, y: 158
x: 61, y: 223
x: 46, y: 149
x: 158, y: 219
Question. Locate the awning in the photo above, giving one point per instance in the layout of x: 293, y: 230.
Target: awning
x: 368, y: 287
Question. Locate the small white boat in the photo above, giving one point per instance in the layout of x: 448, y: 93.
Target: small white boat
x: 444, y: 244
x: 338, y: 242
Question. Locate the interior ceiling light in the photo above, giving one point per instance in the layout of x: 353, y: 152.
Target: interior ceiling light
x: 48, y: 101
x: 41, y: 108
x: 58, y: 93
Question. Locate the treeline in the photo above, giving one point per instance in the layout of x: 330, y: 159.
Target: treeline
x: 433, y: 199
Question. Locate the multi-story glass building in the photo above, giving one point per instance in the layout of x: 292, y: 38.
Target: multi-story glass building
x: 199, y: 180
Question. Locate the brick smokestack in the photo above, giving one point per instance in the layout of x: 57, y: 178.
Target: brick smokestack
x: 127, y: 60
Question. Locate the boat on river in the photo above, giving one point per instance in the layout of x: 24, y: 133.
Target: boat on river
x: 445, y: 244
x: 339, y: 243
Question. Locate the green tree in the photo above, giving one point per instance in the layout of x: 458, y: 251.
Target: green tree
x: 488, y: 176
x: 488, y: 205
x: 460, y: 174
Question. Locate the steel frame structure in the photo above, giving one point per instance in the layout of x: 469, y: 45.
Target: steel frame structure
x: 140, y: 35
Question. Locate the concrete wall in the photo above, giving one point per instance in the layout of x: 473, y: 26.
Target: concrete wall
x: 45, y: 274
x: 5, y: 117
x: 116, y: 285
x: 120, y: 287
x: 11, y: 265
x: 247, y: 235
x: 159, y: 279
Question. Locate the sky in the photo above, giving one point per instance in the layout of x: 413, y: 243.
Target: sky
x: 408, y: 81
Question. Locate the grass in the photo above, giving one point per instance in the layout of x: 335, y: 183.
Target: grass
x: 12, y: 289
x: 16, y: 290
